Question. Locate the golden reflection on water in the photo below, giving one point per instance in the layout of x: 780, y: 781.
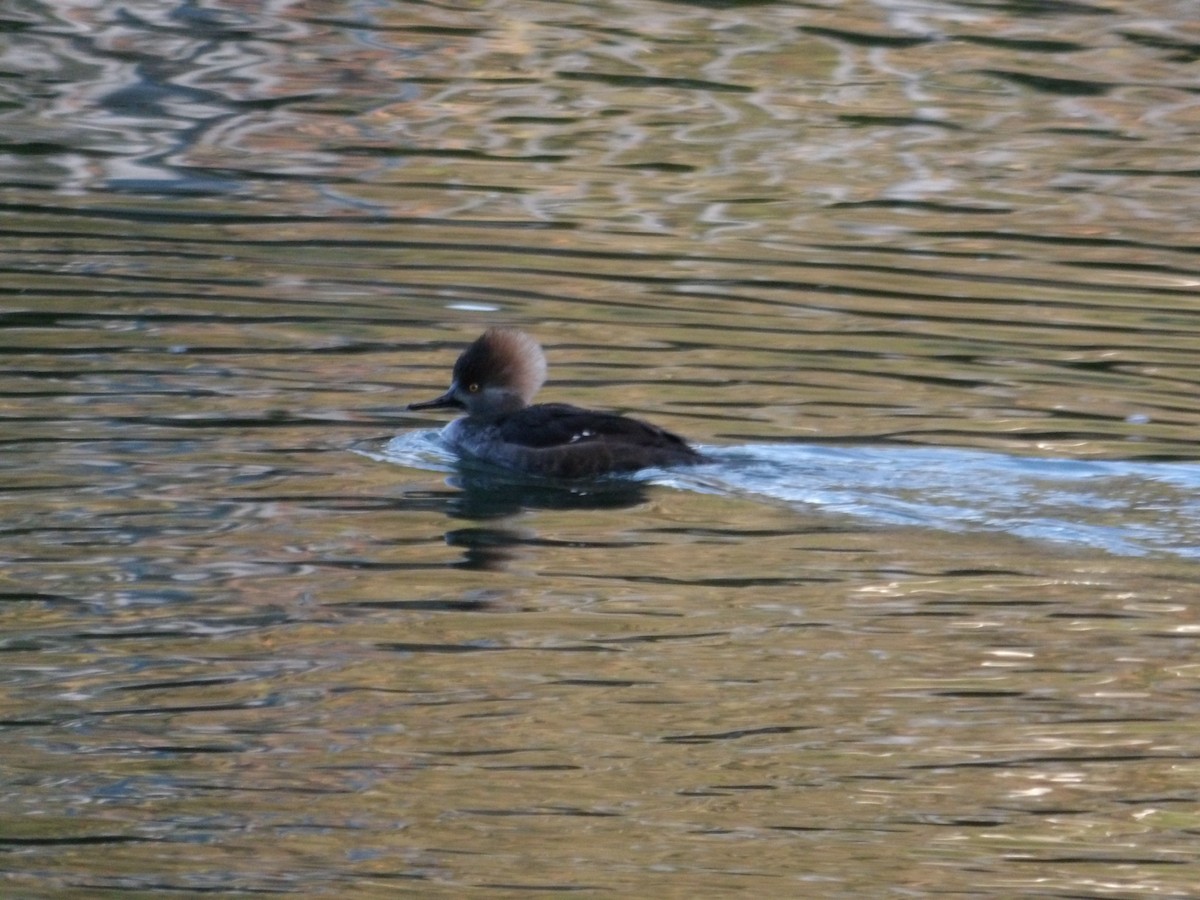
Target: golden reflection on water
x: 241, y: 657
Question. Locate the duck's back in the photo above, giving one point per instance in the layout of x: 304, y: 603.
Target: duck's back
x: 564, y: 441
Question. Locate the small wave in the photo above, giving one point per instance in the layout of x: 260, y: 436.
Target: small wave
x: 415, y: 449
x: 1123, y: 507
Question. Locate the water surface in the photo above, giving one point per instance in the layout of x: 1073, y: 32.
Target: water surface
x: 921, y: 276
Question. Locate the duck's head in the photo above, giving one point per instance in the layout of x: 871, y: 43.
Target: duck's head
x: 499, y: 373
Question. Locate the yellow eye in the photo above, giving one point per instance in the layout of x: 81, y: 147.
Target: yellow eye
x: 473, y: 387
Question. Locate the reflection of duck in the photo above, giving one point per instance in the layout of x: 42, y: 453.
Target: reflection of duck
x: 494, y: 380
x: 488, y: 493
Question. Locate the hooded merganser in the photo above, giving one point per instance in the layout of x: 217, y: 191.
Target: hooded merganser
x: 494, y: 380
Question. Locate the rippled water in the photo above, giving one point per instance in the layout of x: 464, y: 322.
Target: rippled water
x: 920, y: 276
x: 1120, y: 506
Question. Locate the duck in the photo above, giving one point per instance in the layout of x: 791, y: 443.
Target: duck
x: 494, y: 382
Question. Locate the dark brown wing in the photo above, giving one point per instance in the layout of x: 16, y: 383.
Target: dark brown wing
x: 571, y: 442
